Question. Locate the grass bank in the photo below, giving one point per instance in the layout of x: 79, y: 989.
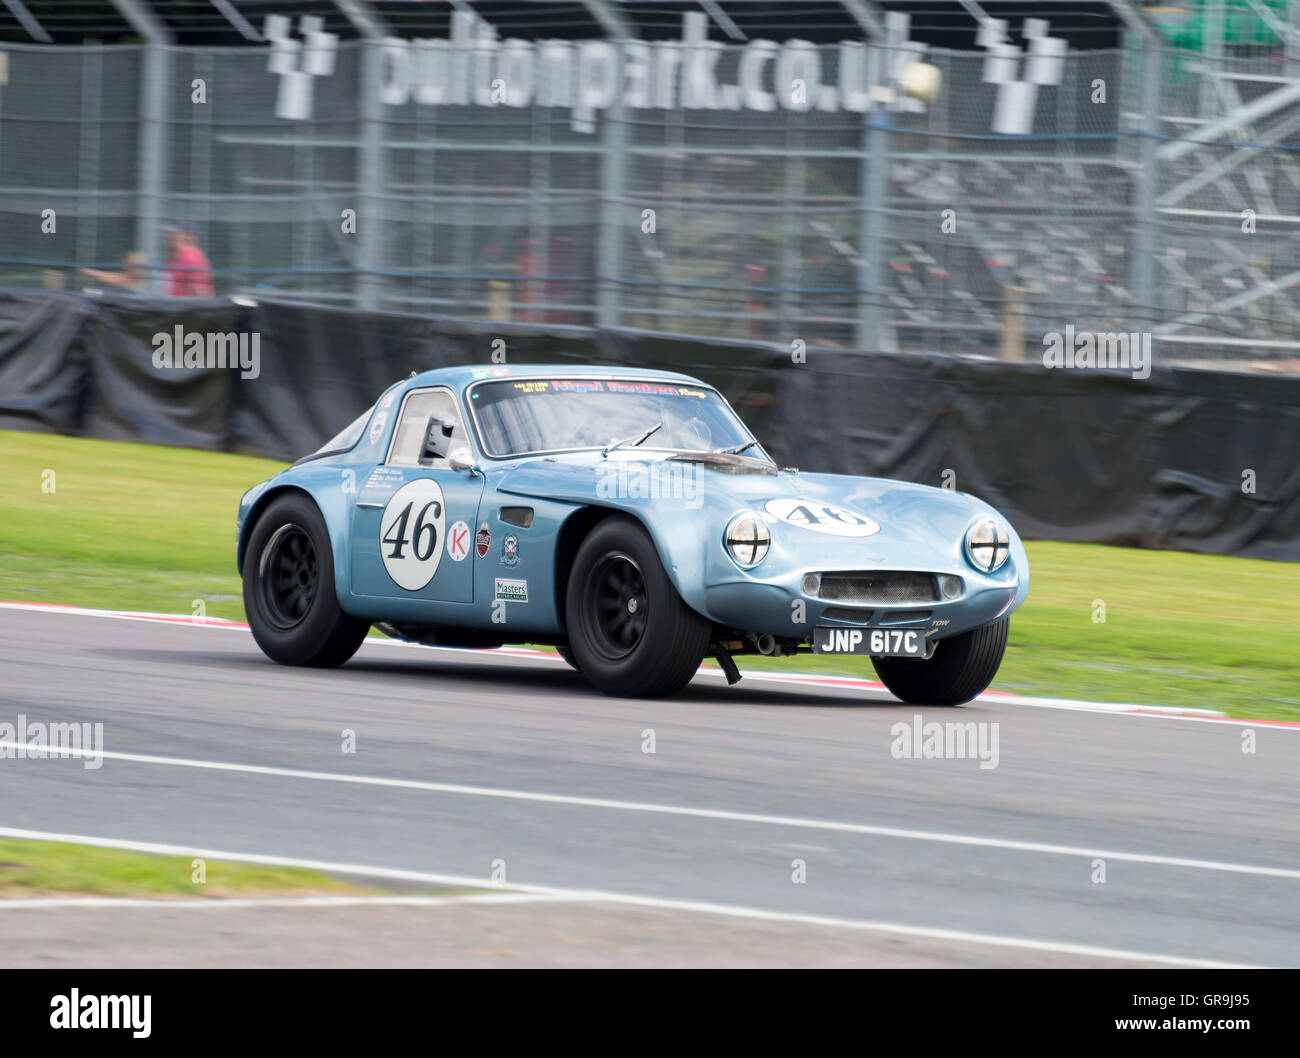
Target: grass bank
x: 140, y: 527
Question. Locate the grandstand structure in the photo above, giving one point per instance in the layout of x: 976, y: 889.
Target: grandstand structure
x: 776, y: 172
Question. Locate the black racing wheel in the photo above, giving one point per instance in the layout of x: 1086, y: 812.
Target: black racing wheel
x: 961, y: 667
x: 289, y: 593
x: 630, y: 633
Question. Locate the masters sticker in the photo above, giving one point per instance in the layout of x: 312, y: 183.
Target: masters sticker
x: 512, y: 590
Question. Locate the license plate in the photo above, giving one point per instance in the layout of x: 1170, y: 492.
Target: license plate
x: 879, y: 642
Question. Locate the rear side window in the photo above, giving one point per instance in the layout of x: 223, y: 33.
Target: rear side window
x: 412, y: 424
x: 348, y: 436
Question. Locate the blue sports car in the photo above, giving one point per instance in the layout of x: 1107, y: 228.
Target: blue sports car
x: 629, y: 518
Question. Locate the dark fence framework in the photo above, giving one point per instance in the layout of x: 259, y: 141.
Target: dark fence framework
x: 1189, y: 459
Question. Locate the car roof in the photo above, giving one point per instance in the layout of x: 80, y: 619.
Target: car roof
x: 461, y: 376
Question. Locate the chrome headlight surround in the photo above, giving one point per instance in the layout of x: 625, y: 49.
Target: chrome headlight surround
x: 988, y: 544
x: 747, y: 539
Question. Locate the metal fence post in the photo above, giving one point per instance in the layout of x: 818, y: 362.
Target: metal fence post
x: 872, y: 178
x: 1144, y: 219
x: 373, y: 179
x: 155, y: 116
x: 609, y: 251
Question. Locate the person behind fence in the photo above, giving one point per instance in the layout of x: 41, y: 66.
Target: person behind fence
x: 129, y: 278
x: 189, y: 272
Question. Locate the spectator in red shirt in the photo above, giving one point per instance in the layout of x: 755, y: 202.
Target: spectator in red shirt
x: 189, y: 272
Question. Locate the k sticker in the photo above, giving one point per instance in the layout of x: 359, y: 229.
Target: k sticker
x: 512, y: 590
x: 510, y: 551
x: 483, y: 540
x: 458, y: 542
x: 821, y: 517
x: 410, y: 534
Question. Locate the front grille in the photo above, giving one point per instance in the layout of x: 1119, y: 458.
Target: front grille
x: 905, y: 616
x: 845, y: 613
x: 879, y: 588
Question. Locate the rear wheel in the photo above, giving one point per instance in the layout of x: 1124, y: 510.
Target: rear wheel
x: 629, y: 631
x: 289, y: 588
x: 961, y: 667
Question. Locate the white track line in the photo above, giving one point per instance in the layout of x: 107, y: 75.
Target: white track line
x: 663, y: 903
x: 666, y: 809
x: 203, y: 903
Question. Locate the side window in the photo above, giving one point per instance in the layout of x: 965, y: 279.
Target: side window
x: 408, y: 438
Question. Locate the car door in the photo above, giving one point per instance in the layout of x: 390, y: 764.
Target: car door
x: 414, y: 517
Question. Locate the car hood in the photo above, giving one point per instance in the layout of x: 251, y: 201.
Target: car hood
x: 912, y: 520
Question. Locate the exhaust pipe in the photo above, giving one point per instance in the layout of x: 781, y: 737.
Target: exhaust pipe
x: 765, y: 643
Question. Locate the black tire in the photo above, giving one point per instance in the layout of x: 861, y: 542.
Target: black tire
x: 629, y: 631
x: 289, y: 588
x: 961, y: 667
x: 567, y: 655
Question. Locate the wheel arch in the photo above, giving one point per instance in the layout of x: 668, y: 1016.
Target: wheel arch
x: 337, y: 528
x: 676, y: 556
x: 255, y: 512
x: 577, y: 526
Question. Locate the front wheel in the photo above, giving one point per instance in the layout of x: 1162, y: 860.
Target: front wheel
x: 630, y: 633
x: 961, y: 667
x: 289, y: 596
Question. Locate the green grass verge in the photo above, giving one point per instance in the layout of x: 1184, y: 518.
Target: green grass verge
x: 47, y: 868
x: 146, y: 528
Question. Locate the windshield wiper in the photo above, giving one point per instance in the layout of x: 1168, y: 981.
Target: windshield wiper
x: 634, y: 440
x: 734, y: 450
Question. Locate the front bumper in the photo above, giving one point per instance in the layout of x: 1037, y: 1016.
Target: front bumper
x: 780, y: 607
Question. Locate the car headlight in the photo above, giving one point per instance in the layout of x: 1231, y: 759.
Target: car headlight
x: 988, y: 544
x: 747, y: 540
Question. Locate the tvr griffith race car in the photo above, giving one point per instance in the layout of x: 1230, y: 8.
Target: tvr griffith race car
x: 628, y: 518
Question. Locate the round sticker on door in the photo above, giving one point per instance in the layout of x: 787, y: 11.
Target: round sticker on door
x: 410, y: 533
x: 458, y: 541
x: 821, y: 517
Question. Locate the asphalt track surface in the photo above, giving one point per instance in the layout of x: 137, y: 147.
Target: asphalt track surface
x: 463, y: 759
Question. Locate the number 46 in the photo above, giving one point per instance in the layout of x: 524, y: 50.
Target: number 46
x: 425, y: 532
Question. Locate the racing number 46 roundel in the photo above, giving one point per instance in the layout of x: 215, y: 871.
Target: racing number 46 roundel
x: 411, y: 532
x: 821, y: 517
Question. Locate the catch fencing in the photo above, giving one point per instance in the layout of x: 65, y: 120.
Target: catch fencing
x: 834, y: 196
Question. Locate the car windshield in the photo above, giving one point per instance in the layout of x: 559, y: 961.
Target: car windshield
x: 521, y: 416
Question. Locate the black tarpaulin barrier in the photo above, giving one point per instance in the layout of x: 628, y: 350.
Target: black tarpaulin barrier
x: 1069, y: 452
x: 1196, y: 460
x: 151, y: 377
x: 42, y: 360
x: 320, y: 369
x: 1226, y: 476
